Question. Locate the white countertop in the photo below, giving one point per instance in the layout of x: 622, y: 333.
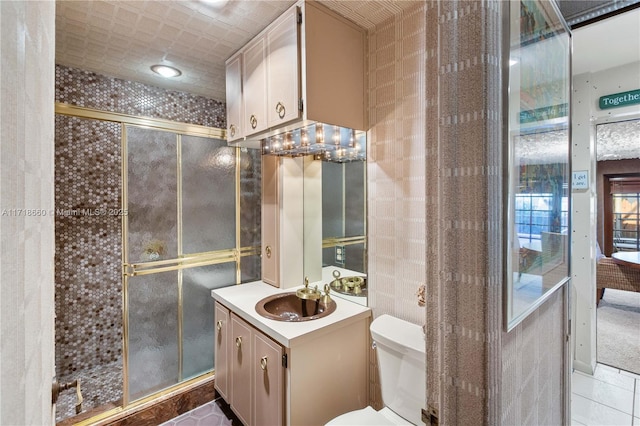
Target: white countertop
x: 242, y: 300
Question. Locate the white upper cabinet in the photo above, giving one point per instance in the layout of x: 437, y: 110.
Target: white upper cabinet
x: 254, y: 86
x: 283, y: 69
x: 307, y: 66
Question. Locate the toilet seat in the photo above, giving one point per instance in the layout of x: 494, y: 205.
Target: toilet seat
x: 369, y: 416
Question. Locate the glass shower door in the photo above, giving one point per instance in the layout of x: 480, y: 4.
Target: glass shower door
x: 180, y: 242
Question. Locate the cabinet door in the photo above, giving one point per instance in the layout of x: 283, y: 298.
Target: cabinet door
x: 268, y: 381
x: 254, y: 87
x: 283, y: 71
x: 241, y: 396
x: 221, y: 360
x: 234, y: 97
x: 270, y: 221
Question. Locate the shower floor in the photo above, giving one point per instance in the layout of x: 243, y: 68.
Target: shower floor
x: 101, y: 387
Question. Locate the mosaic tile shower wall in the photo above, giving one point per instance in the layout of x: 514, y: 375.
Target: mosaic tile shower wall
x: 88, y: 258
x: 90, y: 90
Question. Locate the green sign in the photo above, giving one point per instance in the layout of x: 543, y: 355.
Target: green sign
x: 545, y: 113
x: 618, y: 100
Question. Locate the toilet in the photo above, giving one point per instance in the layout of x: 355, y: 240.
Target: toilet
x: 400, y: 348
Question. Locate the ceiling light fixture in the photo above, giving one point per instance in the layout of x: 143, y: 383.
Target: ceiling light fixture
x: 218, y: 4
x: 166, y: 71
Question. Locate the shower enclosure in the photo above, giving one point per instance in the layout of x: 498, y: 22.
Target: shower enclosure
x: 171, y: 228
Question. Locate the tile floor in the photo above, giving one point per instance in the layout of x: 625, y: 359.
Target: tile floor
x: 214, y: 413
x: 609, y: 397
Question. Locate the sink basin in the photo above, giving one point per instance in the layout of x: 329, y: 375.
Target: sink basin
x: 289, y: 307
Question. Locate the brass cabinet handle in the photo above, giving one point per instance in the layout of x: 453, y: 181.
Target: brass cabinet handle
x: 219, y: 325
x: 267, y: 250
x: 239, y: 341
x: 280, y: 109
x: 232, y: 130
x: 263, y: 363
x: 254, y: 121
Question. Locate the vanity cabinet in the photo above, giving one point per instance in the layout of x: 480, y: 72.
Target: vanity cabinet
x: 252, y: 376
x: 304, y: 380
x: 221, y: 350
x: 307, y: 66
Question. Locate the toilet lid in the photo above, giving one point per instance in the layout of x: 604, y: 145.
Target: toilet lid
x: 368, y: 416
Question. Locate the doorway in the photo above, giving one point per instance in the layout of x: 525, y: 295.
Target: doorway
x: 618, y: 231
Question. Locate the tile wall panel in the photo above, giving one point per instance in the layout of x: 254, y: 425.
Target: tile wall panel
x: 90, y: 90
x: 88, y: 259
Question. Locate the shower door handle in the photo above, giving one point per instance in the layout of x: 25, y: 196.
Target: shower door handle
x: 57, y: 387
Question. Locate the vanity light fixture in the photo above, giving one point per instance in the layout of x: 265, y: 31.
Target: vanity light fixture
x: 166, y: 71
x: 346, y: 144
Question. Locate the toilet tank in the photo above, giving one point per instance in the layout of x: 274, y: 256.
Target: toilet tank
x: 400, y: 349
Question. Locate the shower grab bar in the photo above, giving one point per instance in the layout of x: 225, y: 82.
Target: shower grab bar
x: 145, y: 269
x: 185, y: 259
x: 202, y: 259
x: 177, y: 267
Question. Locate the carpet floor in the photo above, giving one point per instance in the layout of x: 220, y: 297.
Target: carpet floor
x: 618, y: 330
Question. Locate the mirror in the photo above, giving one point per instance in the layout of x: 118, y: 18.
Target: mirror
x: 537, y: 156
x: 327, y: 165
x: 344, y: 215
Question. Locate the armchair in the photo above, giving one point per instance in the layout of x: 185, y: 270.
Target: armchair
x: 613, y: 275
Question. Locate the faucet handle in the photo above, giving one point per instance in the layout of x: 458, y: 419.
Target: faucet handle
x: 306, y: 282
x: 326, y: 299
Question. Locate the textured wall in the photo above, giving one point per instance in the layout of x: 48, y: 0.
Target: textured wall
x: 396, y: 170
x: 396, y: 165
x: 26, y: 179
x: 532, y: 367
x: 463, y: 314
x: 435, y: 215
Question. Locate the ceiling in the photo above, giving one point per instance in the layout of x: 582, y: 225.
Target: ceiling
x: 608, y: 43
x: 124, y: 38
x: 605, y: 44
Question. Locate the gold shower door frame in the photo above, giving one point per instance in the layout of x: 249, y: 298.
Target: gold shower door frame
x: 181, y: 262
